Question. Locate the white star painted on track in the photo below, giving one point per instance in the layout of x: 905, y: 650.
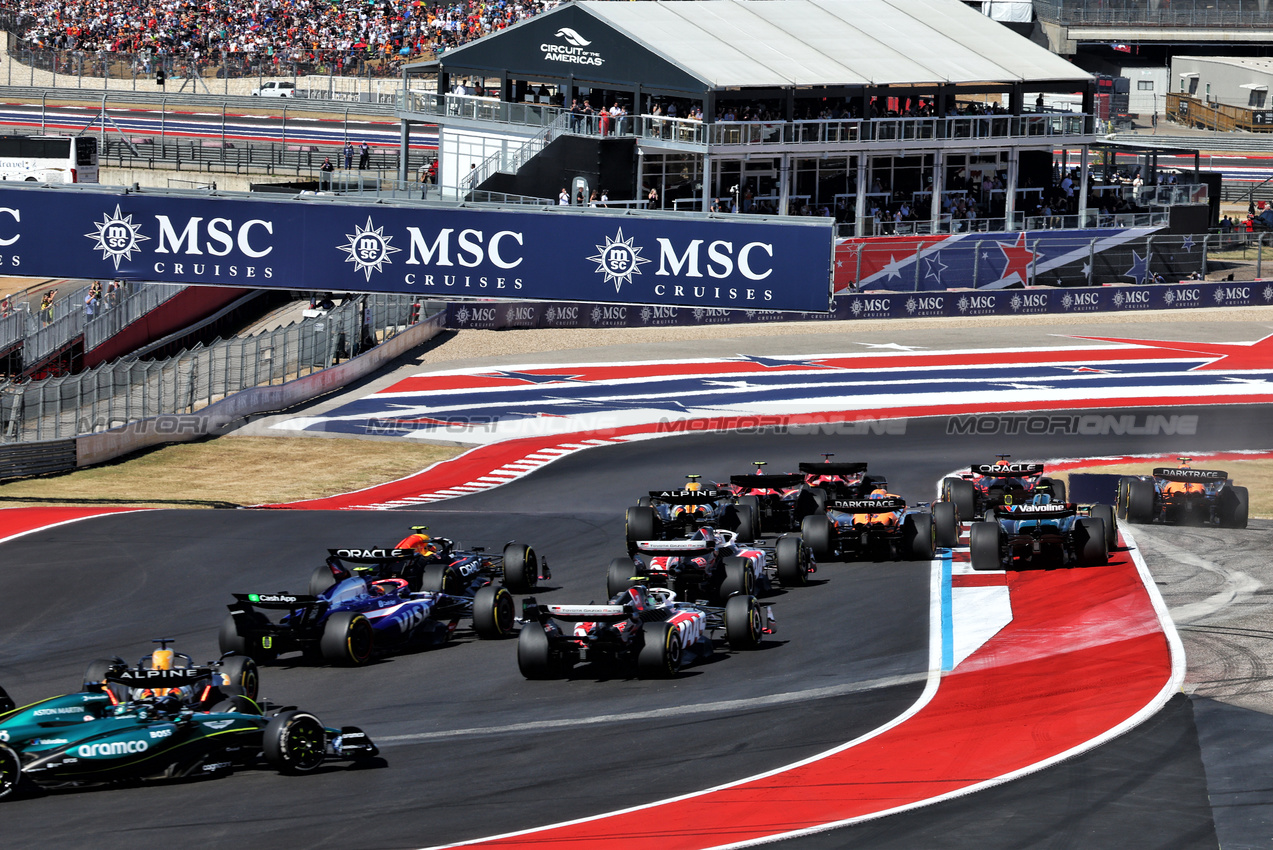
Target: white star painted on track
x: 890, y: 345
x: 1025, y: 386
x: 1234, y: 380
x: 737, y: 385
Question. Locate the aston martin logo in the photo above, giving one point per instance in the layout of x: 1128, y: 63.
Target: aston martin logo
x: 117, y: 237
x: 572, y: 37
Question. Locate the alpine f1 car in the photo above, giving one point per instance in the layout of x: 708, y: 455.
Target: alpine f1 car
x: 1042, y: 532
x: 350, y: 622
x: 166, y: 672
x: 778, y: 503
x: 91, y: 737
x: 423, y: 561
x: 1185, y: 496
x: 990, y: 485
x: 668, y: 514
x: 648, y: 628
x: 712, y: 564
x: 880, y: 526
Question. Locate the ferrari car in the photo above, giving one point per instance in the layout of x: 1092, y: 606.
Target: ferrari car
x: 778, y: 503
x: 1185, y: 496
x: 354, y: 620
x: 645, y: 627
x: 841, y: 480
x: 990, y: 485
x: 1044, y: 533
x: 423, y: 560
x: 668, y: 514
x: 878, y: 527
x: 198, y: 687
x: 712, y: 564
x: 91, y: 738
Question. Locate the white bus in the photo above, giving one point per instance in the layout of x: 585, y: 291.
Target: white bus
x: 49, y: 159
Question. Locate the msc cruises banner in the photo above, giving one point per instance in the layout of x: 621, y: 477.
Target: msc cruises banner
x: 300, y: 244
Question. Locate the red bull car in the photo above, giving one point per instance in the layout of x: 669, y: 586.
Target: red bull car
x: 881, y: 526
x: 646, y: 628
x: 712, y: 564
x: 1184, y: 496
x: 989, y: 485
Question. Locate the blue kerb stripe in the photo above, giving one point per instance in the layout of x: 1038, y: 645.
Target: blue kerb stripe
x: 947, y: 621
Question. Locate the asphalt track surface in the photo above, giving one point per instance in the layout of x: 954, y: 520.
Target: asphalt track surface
x: 471, y: 749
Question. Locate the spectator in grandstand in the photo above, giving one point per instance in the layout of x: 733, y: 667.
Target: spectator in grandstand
x: 349, y: 154
x: 46, y: 307
x: 325, y: 178
x: 364, y: 156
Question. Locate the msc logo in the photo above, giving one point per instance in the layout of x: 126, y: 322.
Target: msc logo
x: 117, y: 237
x: 619, y: 259
x: 368, y: 248
x: 571, y: 37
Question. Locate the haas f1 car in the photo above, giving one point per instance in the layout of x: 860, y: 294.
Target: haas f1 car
x: 645, y: 628
x: 1184, y: 496
x: 1042, y: 533
x: 990, y: 485
x: 712, y: 564
x: 92, y: 737
x: 668, y: 514
x: 880, y: 527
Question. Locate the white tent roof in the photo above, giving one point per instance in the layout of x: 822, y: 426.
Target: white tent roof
x: 759, y: 43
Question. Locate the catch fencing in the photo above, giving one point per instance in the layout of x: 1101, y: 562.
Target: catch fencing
x: 115, y: 394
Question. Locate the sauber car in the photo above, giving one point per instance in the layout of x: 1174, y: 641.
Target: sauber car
x: 880, y: 526
x: 352, y: 621
x: 1042, y: 533
x: 668, y: 514
x: 989, y: 485
x: 1185, y: 496
x: 647, y: 627
x: 712, y: 564
x: 91, y: 737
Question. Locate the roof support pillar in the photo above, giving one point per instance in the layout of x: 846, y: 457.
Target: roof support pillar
x: 1083, y: 182
x: 1089, y: 107
x: 1010, y: 190
x: 707, y: 181
x: 1015, y: 98
x: 784, y: 183
x: 939, y: 180
x: 404, y: 147
x: 863, y: 186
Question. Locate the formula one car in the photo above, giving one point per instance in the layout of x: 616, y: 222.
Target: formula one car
x: 1185, y: 496
x: 668, y: 514
x: 351, y: 621
x: 1042, y: 532
x: 778, y: 503
x: 166, y: 672
x: 644, y: 626
x: 880, y: 526
x: 989, y: 485
x: 90, y: 737
x: 841, y: 480
x: 712, y: 564
x: 423, y: 561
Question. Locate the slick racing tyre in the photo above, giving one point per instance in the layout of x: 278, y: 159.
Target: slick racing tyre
x: 744, y: 622
x: 983, y: 546
x: 1057, y: 488
x: 494, y: 615
x: 521, y: 568
x: 746, y: 524
x: 660, y: 656
x: 1140, y: 500
x: 960, y: 493
x: 817, y: 531
x: 99, y: 667
x: 230, y: 640
x: 441, y: 578
x: 1105, y: 513
x: 347, y: 639
x: 753, y: 504
x: 236, y: 705
x: 1090, y: 540
x: 1234, y: 506
x: 793, y: 561
x: 321, y: 580
x: 1120, y: 501
x: 295, y: 742
x: 238, y: 676
x: 639, y: 524
x: 10, y: 772
x: 919, y: 537
x: 739, y: 578
x: 621, y: 575
x: 946, y: 524
x: 534, y: 654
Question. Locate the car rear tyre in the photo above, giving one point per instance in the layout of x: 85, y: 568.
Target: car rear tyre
x: 1140, y: 501
x: 744, y: 622
x: 534, y: 653
x: 1236, y: 505
x: 746, y: 524
x: 321, y: 580
x: 231, y: 641
x: 347, y: 639
x: 792, y: 561
x: 521, y: 568
x: 236, y: 705
x: 239, y: 677
x: 440, y: 578
x: 946, y: 524
x: 10, y: 772
x: 816, y: 531
x: 494, y: 614
x: 1105, y: 513
x: 754, y: 504
x: 1120, y: 502
x: 960, y: 493
x: 920, y: 537
x: 660, y: 656
x: 639, y: 524
x: 99, y: 667
x: 295, y: 742
x: 620, y: 576
x: 739, y: 578
x: 983, y: 546
x: 1091, y: 534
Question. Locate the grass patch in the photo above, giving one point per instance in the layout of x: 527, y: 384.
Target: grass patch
x: 233, y: 470
x: 1255, y: 475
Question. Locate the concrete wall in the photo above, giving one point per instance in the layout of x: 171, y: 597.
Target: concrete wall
x: 154, y: 178
x: 1225, y: 77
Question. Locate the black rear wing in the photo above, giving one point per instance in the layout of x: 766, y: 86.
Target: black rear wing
x: 689, y: 497
x: 135, y: 678
x: 833, y: 468
x: 767, y: 482
x: 867, y: 506
x: 1034, y: 512
x: 278, y: 601
x: 1006, y: 470
x: 1191, y: 476
x: 371, y: 556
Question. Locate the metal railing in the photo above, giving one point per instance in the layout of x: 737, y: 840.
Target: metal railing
x: 1132, y: 14
x: 128, y: 390
x: 137, y: 300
